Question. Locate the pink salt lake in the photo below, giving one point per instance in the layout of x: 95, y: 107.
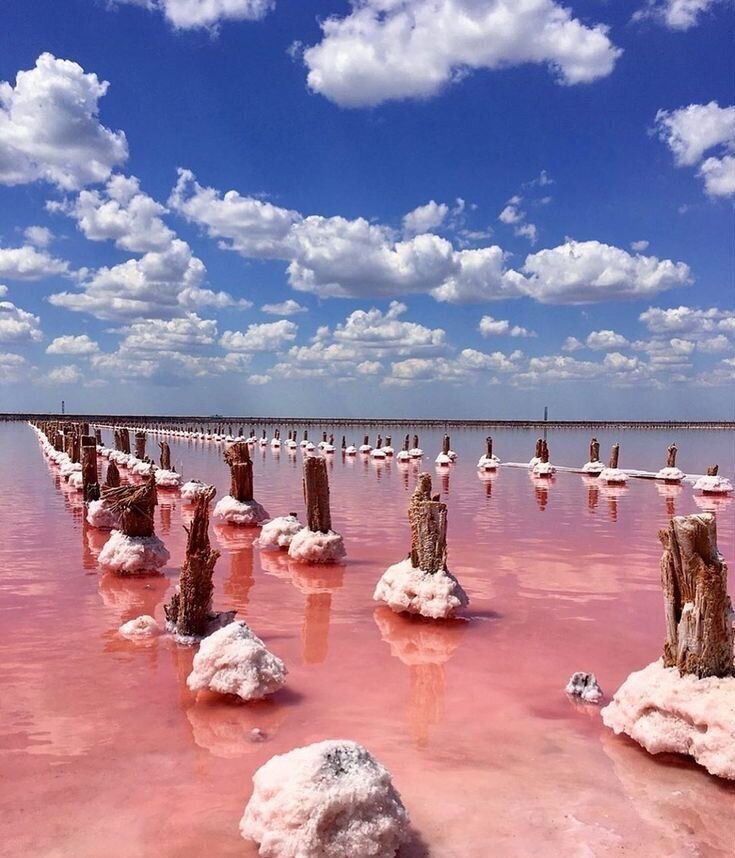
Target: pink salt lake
x: 104, y: 751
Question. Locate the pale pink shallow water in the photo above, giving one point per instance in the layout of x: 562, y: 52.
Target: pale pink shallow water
x: 104, y: 751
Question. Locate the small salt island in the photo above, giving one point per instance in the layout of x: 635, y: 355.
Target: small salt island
x: 317, y: 542
x: 239, y: 507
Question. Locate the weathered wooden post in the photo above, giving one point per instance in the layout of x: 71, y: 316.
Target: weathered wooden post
x: 671, y: 456
x: 539, y: 448
x: 544, y: 452
x: 699, y: 634
x: 713, y: 470
x: 140, y: 445
x: 614, y: 456
x: 488, y: 447
x: 238, y: 458
x: 165, y: 455
x: 90, y: 483
x: 594, y: 450
x: 135, y: 504
x: 446, y: 445
x: 98, y: 436
x: 316, y: 495
x: 428, y: 519
x: 190, y: 608
x: 112, y: 477
x: 125, y: 440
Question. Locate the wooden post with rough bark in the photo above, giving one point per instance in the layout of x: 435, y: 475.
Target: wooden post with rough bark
x: 699, y: 633
x: 428, y: 519
x: 488, y: 447
x: 165, y: 455
x: 90, y: 483
x: 237, y: 456
x: 671, y: 456
x: 140, y: 445
x: 614, y: 456
x: 544, y: 452
x: 712, y: 470
x: 446, y: 445
x: 316, y: 495
x: 594, y: 450
x: 190, y: 608
x: 135, y: 505
x: 539, y: 448
x: 112, y: 477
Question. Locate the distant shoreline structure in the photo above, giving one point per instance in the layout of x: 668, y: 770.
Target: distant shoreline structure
x: 152, y: 420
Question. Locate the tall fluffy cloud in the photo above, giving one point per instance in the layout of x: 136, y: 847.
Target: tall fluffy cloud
x: 580, y: 272
x: 193, y: 14
x: 395, y: 49
x: 425, y: 218
x: 49, y: 128
x: 12, y: 367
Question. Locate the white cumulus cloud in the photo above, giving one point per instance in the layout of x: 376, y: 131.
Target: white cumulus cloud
x: 266, y: 337
x: 18, y: 326
x: 69, y: 344
x: 28, y: 263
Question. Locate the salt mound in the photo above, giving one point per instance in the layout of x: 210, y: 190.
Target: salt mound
x: 595, y: 467
x: 132, y: 555
x: 233, y: 660
x: 143, y: 469
x: 191, y: 490
x: 76, y: 481
x: 311, y: 546
x: 100, y: 515
x: 278, y: 532
x: 328, y: 800
x: 708, y: 485
x: 585, y: 686
x: 613, y: 475
x: 544, y: 469
x: 669, y: 713
x: 674, y: 475
x: 436, y: 595
x: 166, y: 479
x: 140, y: 627
x: 245, y: 513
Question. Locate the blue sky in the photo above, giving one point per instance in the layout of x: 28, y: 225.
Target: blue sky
x: 446, y: 207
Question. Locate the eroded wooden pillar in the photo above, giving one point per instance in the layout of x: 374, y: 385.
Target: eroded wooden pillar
x: 90, y: 481
x: 428, y: 519
x: 316, y: 494
x: 237, y: 457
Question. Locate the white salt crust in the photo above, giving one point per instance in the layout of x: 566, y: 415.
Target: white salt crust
x: 100, y: 515
x: 595, y: 467
x: 669, y: 713
x: 143, y: 469
x: 488, y: 463
x: 75, y: 480
x: 672, y: 475
x: 309, y: 546
x: 405, y: 588
x: 191, y: 490
x: 234, y: 660
x: 278, y: 532
x: 166, y: 479
x: 133, y: 555
x: 585, y: 686
x: 708, y: 485
x: 331, y: 799
x: 140, y: 627
x: 69, y: 467
x: 244, y: 513
x: 613, y: 475
x: 544, y: 469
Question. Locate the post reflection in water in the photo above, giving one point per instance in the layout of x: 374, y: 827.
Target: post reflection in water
x: 669, y: 492
x: 593, y: 492
x: 612, y: 494
x: 318, y: 584
x: 487, y: 478
x: 238, y: 543
x: 541, y: 489
x: 424, y: 646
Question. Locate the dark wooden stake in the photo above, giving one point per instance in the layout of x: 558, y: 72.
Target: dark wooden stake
x: 712, y: 470
x: 614, y: 456
x: 544, y: 452
x: 446, y: 446
x: 671, y: 456
x: 489, y: 447
x: 165, y: 455
x: 539, y: 448
x: 90, y: 482
x: 112, y: 477
x: 140, y: 445
x: 237, y: 456
x: 699, y: 633
x: 316, y: 494
x: 594, y: 450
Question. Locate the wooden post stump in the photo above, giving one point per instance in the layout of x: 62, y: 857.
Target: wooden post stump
x: 446, y: 445
x: 112, y: 477
x: 98, y: 437
x: 699, y: 633
x: 316, y: 495
x: 539, y: 448
x: 165, y: 455
x: 614, y: 456
x: 140, y: 445
x: 712, y: 470
x: 428, y: 520
x: 237, y: 457
x: 90, y: 481
x: 594, y: 450
x: 671, y: 456
x: 191, y: 607
x: 135, y: 505
x: 544, y: 452
x: 488, y: 447
x: 125, y: 440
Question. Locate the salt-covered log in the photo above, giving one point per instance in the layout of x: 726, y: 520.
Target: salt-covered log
x: 237, y: 457
x: 699, y: 634
x: 316, y: 495
x: 190, y: 607
x: 90, y: 483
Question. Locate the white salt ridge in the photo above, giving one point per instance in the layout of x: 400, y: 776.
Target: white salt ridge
x: 278, y: 532
x: 670, y: 475
x: 245, y: 513
x: 596, y: 467
x: 234, y: 660
x: 191, y: 490
x: 309, y: 546
x: 327, y: 800
x: 140, y: 627
x: 435, y: 595
x: 669, y: 713
x: 166, y: 479
x: 585, y: 686
x: 488, y: 463
x: 543, y: 469
x: 75, y: 480
x: 100, y: 515
x: 711, y: 485
x: 68, y: 468
x: 143, y: 469
x: 133, y: 555
x: 613, y: 475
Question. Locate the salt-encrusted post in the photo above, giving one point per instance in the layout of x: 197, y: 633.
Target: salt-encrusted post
x: 237, y: 457
x: 135, y: 505
x: 712, y: 470
x: 90, y: 484
x: 140, y: 445
x: 428, y: 519
x: 594, y: 450
x: 699, y: 634
x: 316, y: 494
x: 544, y: 452
x: 614, y: 456
x: 671, y: 456
x: 190, y: 607
x: 165, y: 455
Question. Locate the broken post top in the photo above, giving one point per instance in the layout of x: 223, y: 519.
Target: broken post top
x: 594, y: 450
x: 316, y: 495
x: 539, y: 447
x: 112, y: 479
x: 197, y: 541
x: 428, y: 520
x: 489, y: 447
x: 671, y: 456
x: 699, y: 633
x: 614, y: 456
x: 712, y: 470
x: 445, y: 445
x: 165, y: 455
x: 135, y: 505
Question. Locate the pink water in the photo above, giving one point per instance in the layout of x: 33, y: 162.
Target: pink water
x: 105, y: 752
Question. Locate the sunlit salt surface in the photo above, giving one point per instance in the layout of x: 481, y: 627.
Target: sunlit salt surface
x: 105, y: 751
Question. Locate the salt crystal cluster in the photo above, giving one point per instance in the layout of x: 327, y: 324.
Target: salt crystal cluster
x: 710, y: 485
x: 234, y: 660
x: 133, y: 555
x: 670, y: 475
x: 279, y: 532
x: 437, y: 595
x: 331, y: 799
x: 595, y: 467
x: 244, y: 513
x: 100, y: 515
x: 670, y: 713
x: 313, y: 546
x: 613, y: 476
x: 585, y: 686
x: 166, y: 479
x: 141, y: 627
x: 191, y: 490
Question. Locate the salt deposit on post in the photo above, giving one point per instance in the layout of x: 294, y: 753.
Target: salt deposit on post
x: 317, y: 542
x: 488, y: 461
x: 670, y: 474
x: 239, y: 507
x: 612, y: 474
x: 544, y: 468
x: 712, y: 483
x: 134, y: 548
x: 166, y: 476
x: 192, y: 489
x: 594, y: 466
x: 331, y: 799
x: 685, y: 702
x: 278, y: 532
x: 144, y: 626
x: 234, y: 660
x: 422, y: 584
